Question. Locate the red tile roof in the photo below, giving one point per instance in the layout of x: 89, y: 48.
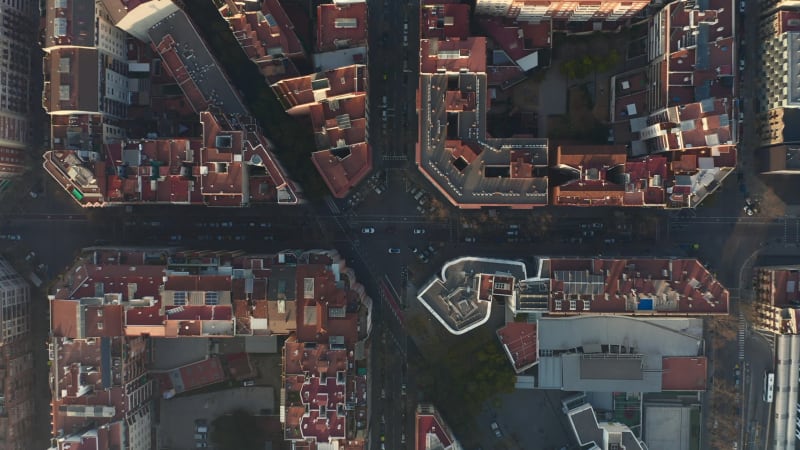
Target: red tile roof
x: 605, y: 176
x: 519, y: 342
x: 442, y: 21
x: 787, y: 21
x: 684, y: 373
x: 783, y: 286
x: 635, y: 286
x: 179, y: 171
x: 336, y: 102
x: 518, y: 40
x: 453, y: 55
x: 430, y: 430
x: 267, y: 37
x: 341, y: 25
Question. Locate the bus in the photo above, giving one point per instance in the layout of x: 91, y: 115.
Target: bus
x: 769, y: 382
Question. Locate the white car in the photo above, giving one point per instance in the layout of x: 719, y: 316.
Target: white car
x: 496, y: 429
x: 419, y: 230
x: 368, y: 230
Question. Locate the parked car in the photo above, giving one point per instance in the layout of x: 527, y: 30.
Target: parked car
x: 496, y: 429
x: 368, y: 230
x: 469, y: 239
x: 394, y: 250
x: 419, y: 230
x: 248, y: 383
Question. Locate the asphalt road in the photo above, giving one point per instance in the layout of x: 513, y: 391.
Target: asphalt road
x: 728, y: 241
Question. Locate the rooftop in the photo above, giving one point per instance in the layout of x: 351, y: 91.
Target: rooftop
x: 612, y: 353
x: 634, y: 286
x: 602, y: 434
x: 519, y: 342
x: 780, y: 285
x: 603, y: 176
x: 700, y: 55
x: 431, y: 432
x: 192, y: 376
x: 454, y: 150
x: 316, y: 374
x: 117, y: 293
x: 70, y: 23
x: 266, y: 35
x: 461, y: 297
x: 71, y: 80
x: 231, y: 165
x: 517, y: 39
x: 443, y: 21
x: 341, y: 25
x: 684, y: 373
x: 90, y: 389
x: 336, y: 102
x: 198, y: 74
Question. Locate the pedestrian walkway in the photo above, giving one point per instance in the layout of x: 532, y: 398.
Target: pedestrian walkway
x: 742, y: 328
x: 332, y: 205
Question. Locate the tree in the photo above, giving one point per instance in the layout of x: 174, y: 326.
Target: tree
x: 237, y: 431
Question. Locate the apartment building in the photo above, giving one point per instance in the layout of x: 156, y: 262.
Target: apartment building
x: 266, y: 35
x: 778, y: 81
x: 561, y: 10
x: 336, y: 101
x: 431, y: 432
x: 571, y: 287
x: 16, y: 361
x: 112, y: 302
x: 85, y: 67
x: 17, y: 35
x: 341, y: 34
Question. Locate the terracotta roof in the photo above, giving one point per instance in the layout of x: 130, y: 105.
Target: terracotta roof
x: 341, y: 25
x: 634, y: 286
x: 688, y: 373
x: 453, y: 55
x: 442, y: 21
x: 519, y: 342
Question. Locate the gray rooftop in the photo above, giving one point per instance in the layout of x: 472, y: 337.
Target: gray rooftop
x: 488, y: 179
x: 201, y: 65
x: 453, y: 298
x: 611, y: 353
x: 588, y: 430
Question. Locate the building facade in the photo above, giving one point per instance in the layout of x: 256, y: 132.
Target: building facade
x: 16, y: 361
x: 561, y: 10
x: 778, y: 85
x: 17, y: 33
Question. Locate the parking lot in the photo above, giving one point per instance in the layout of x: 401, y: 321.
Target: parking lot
x: 177, y: 427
